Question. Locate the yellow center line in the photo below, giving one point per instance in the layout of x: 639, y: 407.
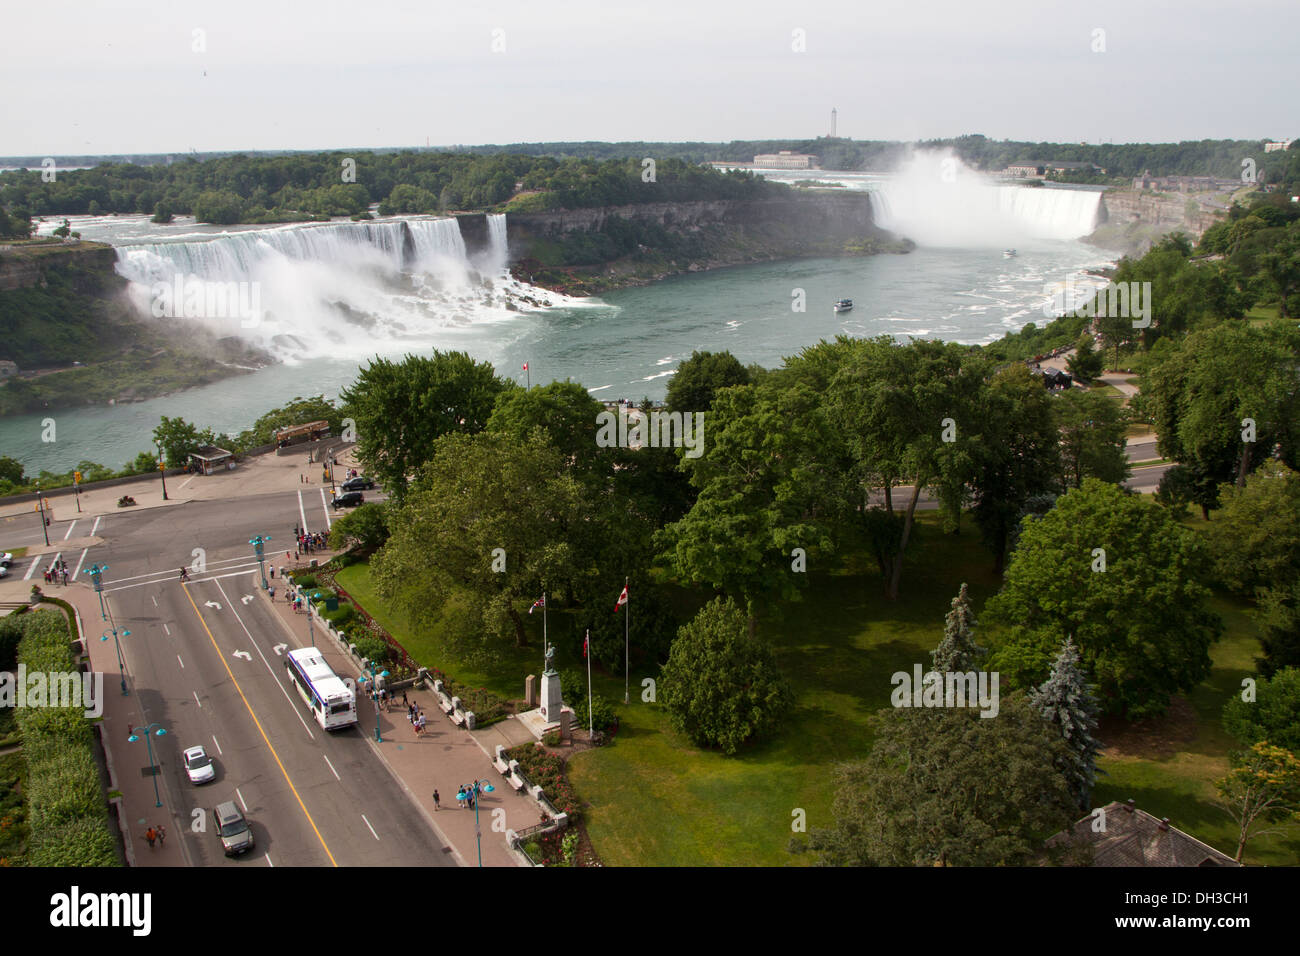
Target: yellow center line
x: 222, y: 658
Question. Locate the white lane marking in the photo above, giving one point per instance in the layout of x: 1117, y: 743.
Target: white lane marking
x: 178, y: 657
x: 196, y: 699
x: 155, y: 599
x: 332, y: 770
x: 329, y: 522
x: 220, y: 752
x: 241, y: 799
x: 32, y: 569
x: 268, y: 861
x: 302, y: 513
x: 165, y: 575
x: 187, y: 481
x: 372, y: 829
x: 95, y: 527
x: 79, y: 561
x: 168, y: 630
x: 233, y: 574
x: 297, y: 711
x: 70, y: 527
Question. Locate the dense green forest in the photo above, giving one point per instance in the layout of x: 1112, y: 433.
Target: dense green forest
x: 294, y: 187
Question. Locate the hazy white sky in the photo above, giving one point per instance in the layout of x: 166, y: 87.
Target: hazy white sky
x: 112, y: 76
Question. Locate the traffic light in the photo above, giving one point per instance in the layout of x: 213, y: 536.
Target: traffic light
x: 76, y: 476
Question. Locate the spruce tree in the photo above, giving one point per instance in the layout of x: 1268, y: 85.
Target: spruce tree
x: 1066, y: 700
x: 957, y: 652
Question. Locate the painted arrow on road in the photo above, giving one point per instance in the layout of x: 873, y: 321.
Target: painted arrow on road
x: 246, y: 598
x: 244, y: 654
x: 212, y: 604
x: 280, y: 649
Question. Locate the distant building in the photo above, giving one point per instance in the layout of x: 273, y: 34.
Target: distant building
x: 1123, y: 835
x: 786, y: 160
x: 1039, y: 168
x: 1184, y: 184
x: 1278, y: 147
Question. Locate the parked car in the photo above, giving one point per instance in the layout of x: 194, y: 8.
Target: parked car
x: 232, y: 829
x: 6, y: 559
x: 348, y: 499
x: 199, y: 765
x: 359, y: 483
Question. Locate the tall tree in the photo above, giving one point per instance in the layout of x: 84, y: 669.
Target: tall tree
x: 701, y: 377
x: 907, y: 412
x: 1093, y: 444
x: 1273, y: 714
x: 1120, y: 577
x: 1016, y: 455
x: 957, y: 652
x: 945, y: 787
x: 1066, y: 702
x: 401, y: 408
x: 488, y: 522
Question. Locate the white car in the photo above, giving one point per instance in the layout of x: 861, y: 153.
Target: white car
x: 6, y: 559
x: 199, y: 765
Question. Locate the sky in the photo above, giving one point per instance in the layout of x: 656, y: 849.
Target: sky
x: 145, y: 76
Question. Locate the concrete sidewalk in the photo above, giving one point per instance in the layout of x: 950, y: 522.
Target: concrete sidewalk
x: 443, y: 758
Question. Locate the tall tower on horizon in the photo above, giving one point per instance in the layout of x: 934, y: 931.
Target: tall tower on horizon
x: 833, y: 114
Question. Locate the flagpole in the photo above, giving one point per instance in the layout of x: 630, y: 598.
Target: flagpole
x: 627, y: 630
x: 591, y: 720
x: 544, y: 644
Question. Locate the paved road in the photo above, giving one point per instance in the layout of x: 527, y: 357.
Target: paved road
x: 206, y: 661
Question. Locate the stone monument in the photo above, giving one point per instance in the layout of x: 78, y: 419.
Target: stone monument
x: 551, y: 700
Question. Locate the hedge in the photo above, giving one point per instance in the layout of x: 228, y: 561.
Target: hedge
x: 66, y: 812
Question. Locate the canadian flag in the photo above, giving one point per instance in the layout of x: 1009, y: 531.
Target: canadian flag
x: 525, y: 366
x: 586, y: 642
x: 622, y: 599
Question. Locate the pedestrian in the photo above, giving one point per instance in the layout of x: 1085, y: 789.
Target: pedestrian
x: 47, y: 576
x: 273, y: 572
x: 65, y: 577
x: 437, y: 805
x: 162, y: 834
x: 151, y: 834
x: 406, y: 702
x: 295, y: 555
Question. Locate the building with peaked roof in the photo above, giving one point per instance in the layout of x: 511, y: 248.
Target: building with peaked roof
x: 1126, y: 836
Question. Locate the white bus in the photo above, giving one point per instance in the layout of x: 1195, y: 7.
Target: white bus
x: 332, y: 702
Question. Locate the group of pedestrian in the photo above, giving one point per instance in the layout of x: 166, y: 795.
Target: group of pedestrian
x: 156, y: 833
x: 466, y: 796
x: 307, y: 542
x: 415, y: 716
x: 57, y: 573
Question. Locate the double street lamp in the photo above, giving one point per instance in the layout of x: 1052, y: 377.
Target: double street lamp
x: 162, y: 471
x: 257, y: 543
x: 96, y: 572
x: 480, y: 786
x: 121, y: 668
x: 374, y: 694
x: 149, y: 745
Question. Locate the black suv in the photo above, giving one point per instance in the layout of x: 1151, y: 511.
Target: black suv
x: 359, y: 483
x: 348, y: 499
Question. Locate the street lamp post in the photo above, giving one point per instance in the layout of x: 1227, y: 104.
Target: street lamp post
x: 374, y: 694
x: 257, y: 543
x: 121, y: 667
x: 162, y: 471
x: 40, y: 506
x: 149, y: 746
x: 96, y: 572
x: 480, y: 786
x: 311, y: 598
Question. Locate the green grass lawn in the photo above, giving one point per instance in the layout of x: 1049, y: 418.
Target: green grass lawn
x: 654, y: 799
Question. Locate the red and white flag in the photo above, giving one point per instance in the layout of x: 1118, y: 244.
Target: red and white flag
x: 525, y: 366
x: 540, y: 602
x: 622, y: 599
x: 586, y: 641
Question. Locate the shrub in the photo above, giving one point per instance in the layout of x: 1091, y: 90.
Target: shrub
x: 602, y: 711
x: 304, y: 580
x: 83, y: 842
x: 374, y: 649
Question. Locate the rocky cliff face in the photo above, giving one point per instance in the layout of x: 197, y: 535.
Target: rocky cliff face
x: 1135, y: 219
x: 88, y: 265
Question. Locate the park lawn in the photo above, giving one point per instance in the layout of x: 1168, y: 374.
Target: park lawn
x: 656, y: 800
x: 1263, y: 314
x: 1175, y: 779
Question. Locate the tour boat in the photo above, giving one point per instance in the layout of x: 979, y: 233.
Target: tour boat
x: 1009, y: 254
x: 844, y: 305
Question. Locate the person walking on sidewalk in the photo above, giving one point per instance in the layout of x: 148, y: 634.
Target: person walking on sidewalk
x: 437, y: 804
x: 162, y: 834
x: 151, y: 834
